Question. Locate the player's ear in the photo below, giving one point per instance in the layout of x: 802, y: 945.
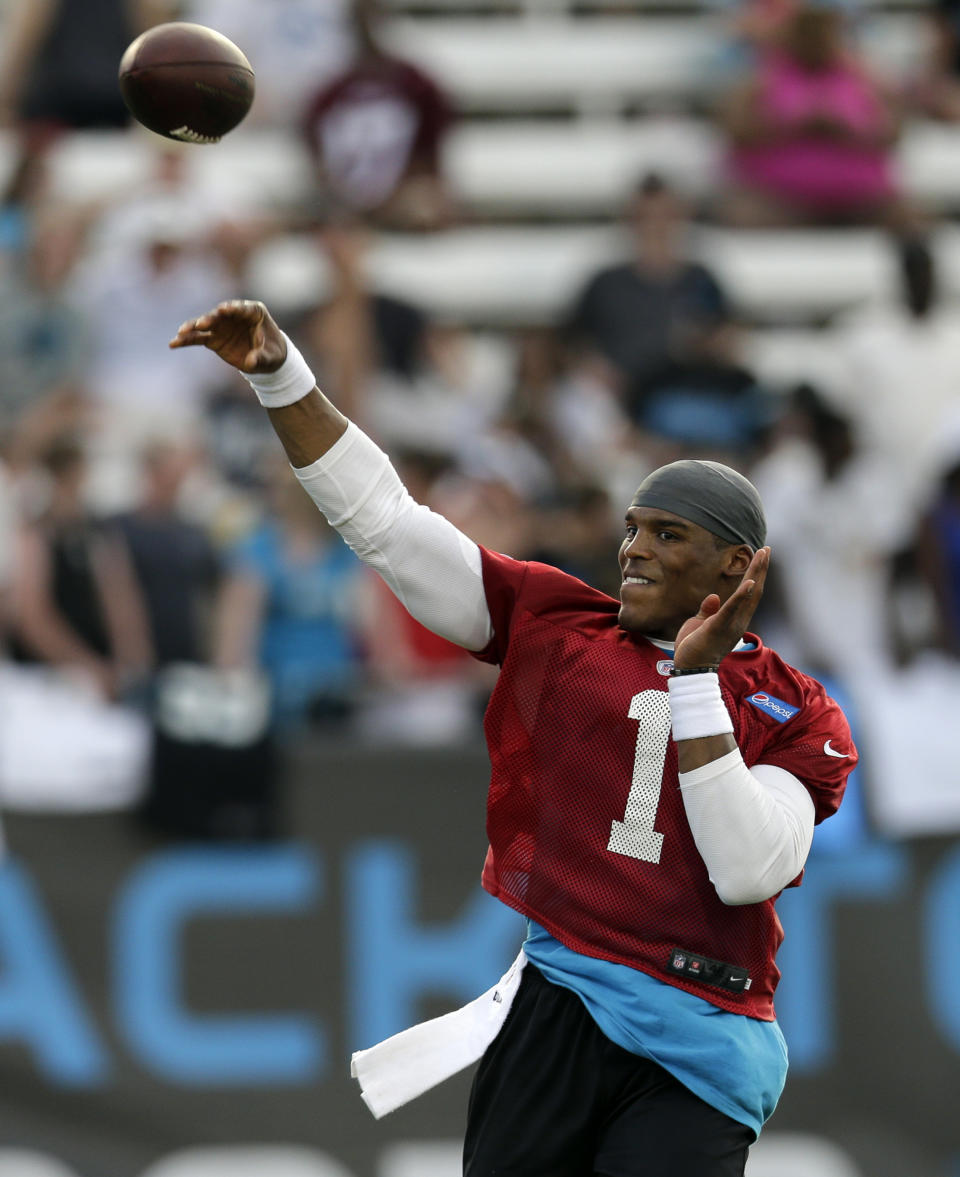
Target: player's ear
x: 738, y: 557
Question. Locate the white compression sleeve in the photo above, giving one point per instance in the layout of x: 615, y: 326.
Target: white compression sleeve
x: 753, y: 827
x: 432, y: 567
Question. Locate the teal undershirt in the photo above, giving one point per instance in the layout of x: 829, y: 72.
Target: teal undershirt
x: 734, y: 1063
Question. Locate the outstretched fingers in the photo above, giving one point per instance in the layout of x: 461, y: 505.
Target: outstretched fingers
x: 744, y: 600
x: 756, y: 575
x: 194, y: 331
x: 204, y: 328
x: 189, y: 336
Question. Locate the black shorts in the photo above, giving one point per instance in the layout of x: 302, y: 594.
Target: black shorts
x: 554, y: 1097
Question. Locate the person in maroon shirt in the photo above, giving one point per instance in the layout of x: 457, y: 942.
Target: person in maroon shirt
x: 377, y: 133
x: 656, y: 775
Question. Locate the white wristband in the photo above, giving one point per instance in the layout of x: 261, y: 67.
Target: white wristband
x: 697, y: 708
x: 291, y: 382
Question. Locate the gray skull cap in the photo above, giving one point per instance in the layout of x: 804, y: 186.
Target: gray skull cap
x: 709, y: 494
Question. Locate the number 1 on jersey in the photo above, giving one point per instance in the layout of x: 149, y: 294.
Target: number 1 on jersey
x: 635, y: 836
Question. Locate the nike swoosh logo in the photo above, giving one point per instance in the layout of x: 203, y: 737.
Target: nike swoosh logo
x: 832, y: 752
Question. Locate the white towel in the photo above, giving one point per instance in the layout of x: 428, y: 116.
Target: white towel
x: 402, y: 1067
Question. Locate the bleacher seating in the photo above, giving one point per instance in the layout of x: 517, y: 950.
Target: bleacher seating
x: 568, y: 8
x: 512, y: 64
x: 500, y: 275
x: 505, y: 271
x: 586, y: 167
x: 501, y: 170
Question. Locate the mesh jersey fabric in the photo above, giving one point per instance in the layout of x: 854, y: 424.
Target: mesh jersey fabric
x: 588, y: 835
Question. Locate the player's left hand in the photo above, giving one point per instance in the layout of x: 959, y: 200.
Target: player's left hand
x: 708, y: 637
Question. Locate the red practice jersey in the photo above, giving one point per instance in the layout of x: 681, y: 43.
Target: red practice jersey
x: 588, y: 833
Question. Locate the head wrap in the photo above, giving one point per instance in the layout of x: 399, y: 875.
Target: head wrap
x: 709, y: 494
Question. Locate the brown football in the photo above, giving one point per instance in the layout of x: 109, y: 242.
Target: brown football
x: 186, y: 82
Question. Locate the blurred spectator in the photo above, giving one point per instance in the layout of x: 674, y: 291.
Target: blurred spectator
x: 76, y: 604
x: 521, y: 443
x: 934, y: 560
x: 899, y: 367
x: 935, y: 91
x: 238, y: 438
x: 632, y: 316
x: 133, y: 301
x: 24, y: 187
x: 570, y: 418
x: 578, y: 529
x: 58, y: 66
x: 704, y: 403
x: 213, y: 769
x: 834, y: 521
x: 289, y: 606
x: 811, y: 132
x: 44, y: 339
x: 377, y: 131
x: 39, y: 429
x: 176, y: 194
x: 413, y: 383
x: 296, y: 46
x: 421, y: 690
x: 358, y: 335
x: 565, y: 408
x: 70, y: 617
x: 756, y: 25
x: 487, y: 509
x: 176, y: 565
x: 8, y: 546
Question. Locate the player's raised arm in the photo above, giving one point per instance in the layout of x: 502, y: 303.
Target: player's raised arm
x: 244, y: 335
x: 432, y: 568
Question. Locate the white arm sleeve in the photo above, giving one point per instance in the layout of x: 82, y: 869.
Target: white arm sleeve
x: 433, y: 568
x: 753, y: 827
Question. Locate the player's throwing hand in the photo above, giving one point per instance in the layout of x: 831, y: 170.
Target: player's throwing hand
x: 242, y: 333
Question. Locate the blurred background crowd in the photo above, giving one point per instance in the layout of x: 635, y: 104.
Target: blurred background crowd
x: 535, y: 248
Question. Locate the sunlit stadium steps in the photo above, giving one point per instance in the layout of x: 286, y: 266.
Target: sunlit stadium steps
x: 554, y: 9
x: 249, y: 168
x: 511, y: 272
x: 579, y: 169
x: 586, y: 167
x: 505, y: 275
x: 512, y: 64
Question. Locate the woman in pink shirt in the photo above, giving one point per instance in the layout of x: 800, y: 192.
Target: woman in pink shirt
x: 810, y: 132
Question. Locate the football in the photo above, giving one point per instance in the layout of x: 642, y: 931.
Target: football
x: 186, y: 82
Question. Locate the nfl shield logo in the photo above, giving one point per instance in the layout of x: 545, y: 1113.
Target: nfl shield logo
x: 679, y: 960
x: 664, y: 666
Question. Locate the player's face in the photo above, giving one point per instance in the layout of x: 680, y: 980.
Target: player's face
x: 669, y: 565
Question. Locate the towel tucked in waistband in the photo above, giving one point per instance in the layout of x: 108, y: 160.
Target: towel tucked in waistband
x: 402, y: 1067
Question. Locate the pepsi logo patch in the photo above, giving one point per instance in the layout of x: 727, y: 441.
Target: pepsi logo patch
x: 771, y: 705
x: 664, y: 666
